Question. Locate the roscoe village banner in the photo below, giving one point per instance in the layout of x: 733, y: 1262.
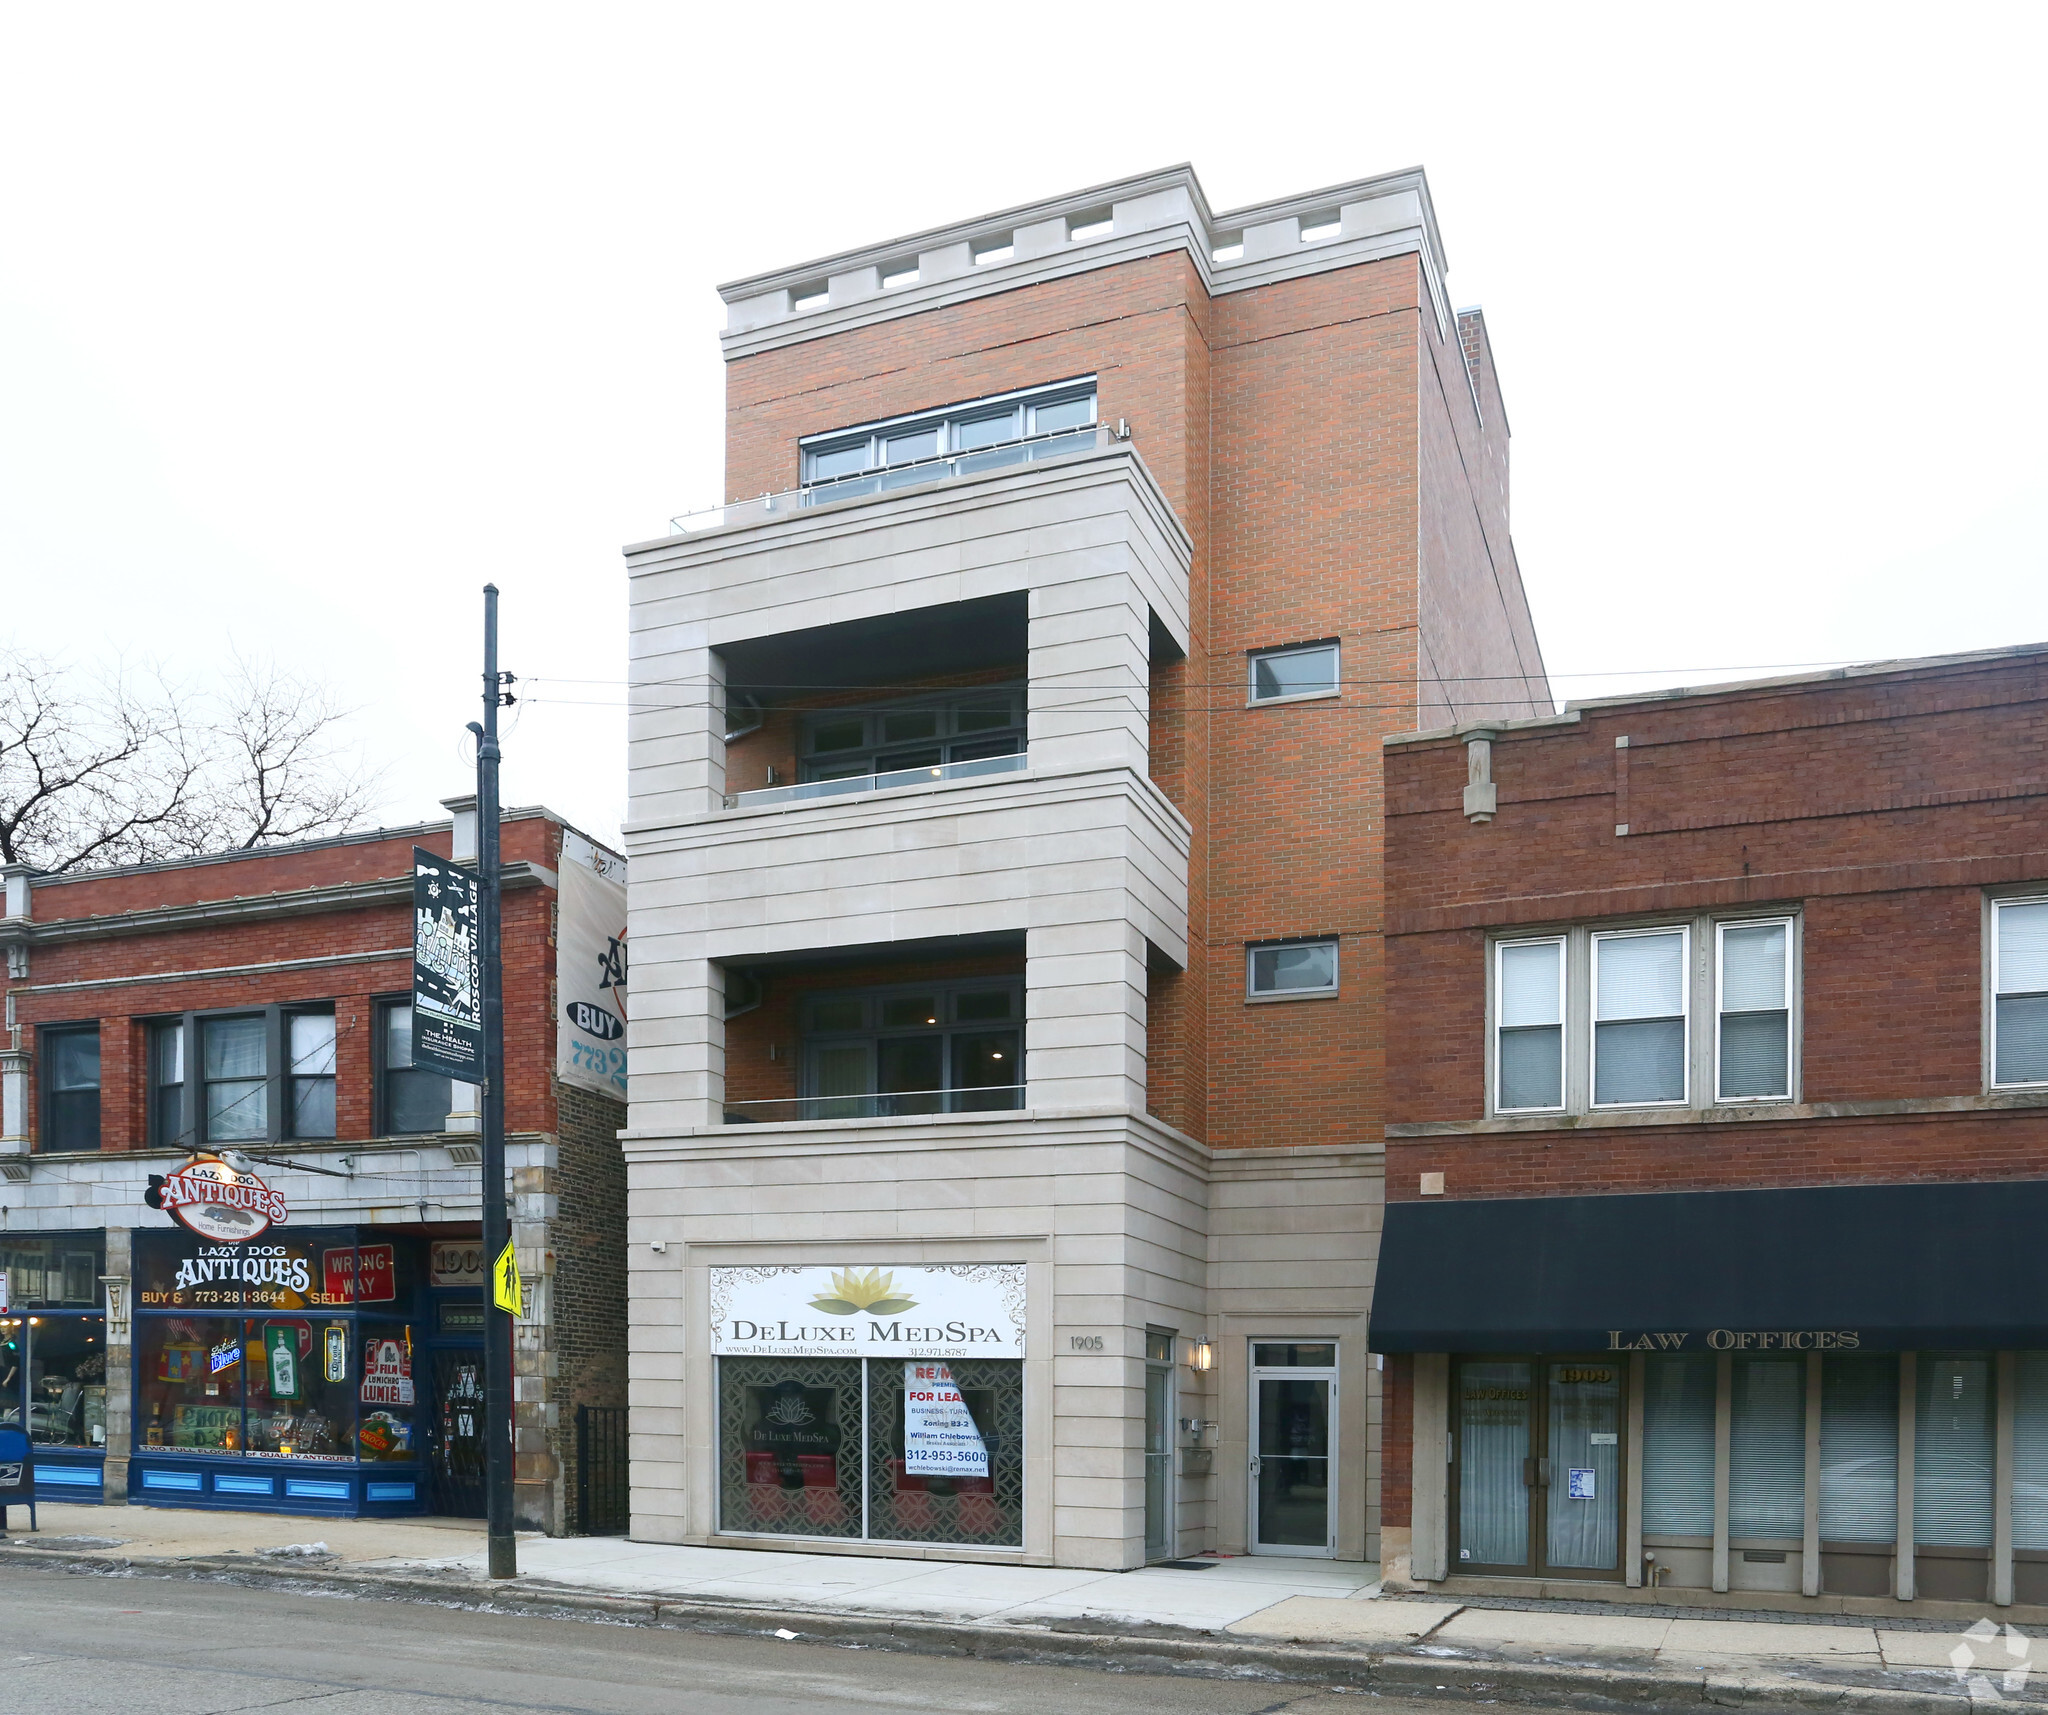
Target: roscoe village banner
x: 946, y: 1310
x: 447, y: 971
x: 590, y: 1040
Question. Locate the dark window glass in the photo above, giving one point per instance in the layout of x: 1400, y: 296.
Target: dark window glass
x: 71, y: 1092
x: 849, y: 746
x: 415, y: 1101
x: 1290, y: 1356
x: 235, y: 1055
x: 912, y: 1052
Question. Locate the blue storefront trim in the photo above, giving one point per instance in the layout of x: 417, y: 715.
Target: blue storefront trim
x: 76, y: 1475
x: 256, y: 1485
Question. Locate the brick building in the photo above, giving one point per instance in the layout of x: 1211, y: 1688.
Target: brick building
x: 1005, y: 821
x: 257, y: 1005
x: 1717, y: 1155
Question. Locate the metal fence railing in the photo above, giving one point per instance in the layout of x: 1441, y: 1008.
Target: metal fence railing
x: 602, y: 1504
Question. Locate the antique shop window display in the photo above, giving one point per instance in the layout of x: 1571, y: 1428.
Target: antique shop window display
x: 53, y: 1351
x: 913, y: 1436
x: 298, y: 1346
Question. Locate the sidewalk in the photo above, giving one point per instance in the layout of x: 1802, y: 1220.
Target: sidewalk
x: 1315, y: 1620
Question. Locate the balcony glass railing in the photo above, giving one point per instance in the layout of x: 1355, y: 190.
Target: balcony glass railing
x: 877, y: 782
x: 910, y: 475
x: 891, y: 1104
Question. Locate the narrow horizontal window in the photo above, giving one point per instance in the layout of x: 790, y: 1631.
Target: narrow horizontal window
x: 1310, y: 670
x: 1229, y: 249
x: 2019, y: 988
x: 1639, y: 1018
x: 989, y: 433
x: 1293, y: 968
x: 994, y: 250
x: 1099, y: 223
x: 810, y: 297
x: 904, y: 274
x: 1754, y: 1047
x: 1317, y: 227
x: 1529, y: 1030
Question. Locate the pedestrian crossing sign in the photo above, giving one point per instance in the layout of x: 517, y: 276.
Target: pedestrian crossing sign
x: 506, y: 1287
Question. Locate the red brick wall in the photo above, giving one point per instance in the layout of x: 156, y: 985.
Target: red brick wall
x: 1281, y: 425
x: 1397, y: 1441
x: 1881, y: 806
x: 122, y: 1010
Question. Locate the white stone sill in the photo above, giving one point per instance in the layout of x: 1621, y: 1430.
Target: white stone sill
x: 2001, y: 1101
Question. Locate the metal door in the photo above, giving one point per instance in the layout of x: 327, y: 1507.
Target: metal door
x: 1293, y: 1476
x: 455, y: 1472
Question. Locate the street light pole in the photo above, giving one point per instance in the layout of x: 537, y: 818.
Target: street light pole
x: 498, y: 1440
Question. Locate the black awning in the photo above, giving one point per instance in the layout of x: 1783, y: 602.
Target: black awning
x: 1870, y: 1267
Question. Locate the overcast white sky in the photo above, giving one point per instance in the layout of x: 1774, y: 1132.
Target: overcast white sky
x: 314, y: 319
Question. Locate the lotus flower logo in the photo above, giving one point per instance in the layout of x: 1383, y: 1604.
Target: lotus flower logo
x: 855, y: 1291
x: 791, y: 1412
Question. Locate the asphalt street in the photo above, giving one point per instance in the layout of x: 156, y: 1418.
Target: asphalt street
x: 78, y: 1645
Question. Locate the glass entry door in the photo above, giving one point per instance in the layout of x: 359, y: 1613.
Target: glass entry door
x: 1293, y: 1476
x: 1537, y: 1466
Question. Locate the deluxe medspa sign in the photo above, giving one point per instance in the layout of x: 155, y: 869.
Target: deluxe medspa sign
x: 945, y: 1310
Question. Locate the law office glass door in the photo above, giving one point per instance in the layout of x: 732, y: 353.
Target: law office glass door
x: 1537, y: 1467
x: 1293, y: 1479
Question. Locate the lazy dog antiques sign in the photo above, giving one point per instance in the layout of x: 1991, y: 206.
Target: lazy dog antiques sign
x: 946, y: 1310
x: 217, y: 1201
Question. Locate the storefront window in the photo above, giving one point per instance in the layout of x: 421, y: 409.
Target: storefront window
x: 942, y: 1449
x: 934, y: 1475
x: 387, y: 1393
x: 1678, y: 1445
x: 1767, y: 1448
x: 1859, y: 1448
x: 189, y: 1383
x: 1493, y: 1443
x: 2030, y: 1451
x: 1952, y: 1452
x: 789, y: 1445
x: 300, y: 1387
x: 66, y: 1378
x: 265, y: 1348
x: 57, y: 1270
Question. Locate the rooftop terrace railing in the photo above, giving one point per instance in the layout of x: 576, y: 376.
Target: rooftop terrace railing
x: 788, y: 501
x: 891, y: 1104
x: 968, y: 770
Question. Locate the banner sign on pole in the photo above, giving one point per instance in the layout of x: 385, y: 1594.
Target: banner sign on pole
x: 590, y: 1035
x: 447, y: 978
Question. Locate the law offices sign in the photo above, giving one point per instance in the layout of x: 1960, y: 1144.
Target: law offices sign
x: 941, y: 1310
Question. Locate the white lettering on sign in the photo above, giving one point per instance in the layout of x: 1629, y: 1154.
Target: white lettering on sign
x: 946, y: 1310
x: 257, y: 1268
x: 940, y: 1436
x: 387, y: 1373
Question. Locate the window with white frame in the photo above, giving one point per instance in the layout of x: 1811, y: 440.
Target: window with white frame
x: 1640, y: 1016
x: 2019, y: 991
x: 1299, y: 670
x: 1291, y: 970
x: 1753, y: 1023
x: 873, y: 456
x: 1529, y: 1041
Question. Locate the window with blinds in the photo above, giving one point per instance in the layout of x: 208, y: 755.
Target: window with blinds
x: 1767, y: 1448
x: 1529, y: 1026
x: 1639, y: 1018
x: 2030, y: 1451
x: 1953, y: 1451
x: 1859, y: 1448
x: 1693, y: 1013
x: 1753, y: 1049
x: 2019, y: 991
x: 1678, y: 1445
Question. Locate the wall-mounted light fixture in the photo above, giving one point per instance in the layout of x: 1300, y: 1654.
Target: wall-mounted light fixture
x: 1201, y: 1356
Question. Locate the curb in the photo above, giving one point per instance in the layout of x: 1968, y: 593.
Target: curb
x: 1302, y: 1662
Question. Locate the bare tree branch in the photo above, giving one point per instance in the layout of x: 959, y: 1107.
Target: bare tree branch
x: 124, y: 767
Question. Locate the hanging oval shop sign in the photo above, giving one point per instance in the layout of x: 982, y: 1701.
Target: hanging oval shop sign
x: 217, y: 1202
